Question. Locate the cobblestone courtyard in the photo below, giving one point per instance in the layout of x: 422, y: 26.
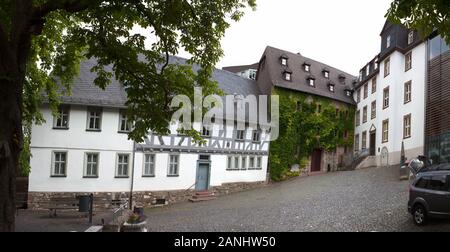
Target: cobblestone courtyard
x: 364, y: 200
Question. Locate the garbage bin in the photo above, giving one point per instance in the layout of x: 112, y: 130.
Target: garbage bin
x: 84, y: 204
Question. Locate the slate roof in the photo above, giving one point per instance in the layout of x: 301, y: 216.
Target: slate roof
x: 238, y: 69
x: 84, y: 92
x: 299, y: 76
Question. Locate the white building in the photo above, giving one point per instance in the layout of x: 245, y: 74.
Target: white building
x: 390, y: 98
x: 87, y: 150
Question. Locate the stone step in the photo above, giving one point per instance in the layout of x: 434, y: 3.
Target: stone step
x: 195, y: 200
x: 204, y: 193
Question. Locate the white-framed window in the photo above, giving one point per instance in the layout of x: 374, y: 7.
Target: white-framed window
x: 326, y: 74
x: 251, y: 163
x: 358, y: 118
x: 360, y: 75
x: 365, y: 114
x: 407, y: 126
x: 307, y: 68
x: 94, y: 120
x: 385, y: 131
x: 410, y: 37
x: 243, y: 163
x: 174, y: 165
x: 387, y: 67
x: 240, y: 135
x: 331, y: 87
x: 367, y: 70
x: 229, y: 163
x: 123, y: 165
x: 408, y: 91
x: 386, y: 98
x: 366, y: 90
x: 288, y: 76
x: 357, y: 142
x: 388, y: 41
x: 408, y: 61
x: 149, y: 165
x: 284, y: 61
x: 311, y: 82
x: 348, y: 93
x: 259, y: 163
x: 358, y: 96
x: 59, y: 164
x: 124, y: 124
x: 256, y: 136
x: 91, y: 161
x: 61, y: 120
x: 237, y: 164
x: 373, y: 110
x: 374, y: 85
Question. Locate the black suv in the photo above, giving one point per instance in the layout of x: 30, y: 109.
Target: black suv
x: 429, y: 195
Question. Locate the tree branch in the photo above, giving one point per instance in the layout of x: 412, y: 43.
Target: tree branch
x: 71, y: 6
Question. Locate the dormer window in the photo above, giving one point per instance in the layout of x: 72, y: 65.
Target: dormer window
x: 410, y: 37
x: 284, y: 60
x: 367, y: 70
x: 311, y: 81
x: 348, y: 93
x: 342, y: 77
x: 307, y: 67
x: 388, y: 41
x: 331, y: 87
x: 287, y: 75
x: 326, y: 73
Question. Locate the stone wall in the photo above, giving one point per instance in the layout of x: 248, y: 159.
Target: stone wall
x: 39, y: 200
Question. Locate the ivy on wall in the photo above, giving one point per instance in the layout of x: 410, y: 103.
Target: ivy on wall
x: 308, y: 122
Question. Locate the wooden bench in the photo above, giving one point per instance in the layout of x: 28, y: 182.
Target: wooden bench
x: 56, y: 204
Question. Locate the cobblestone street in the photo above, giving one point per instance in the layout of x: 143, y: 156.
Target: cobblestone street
x: 366, y: 200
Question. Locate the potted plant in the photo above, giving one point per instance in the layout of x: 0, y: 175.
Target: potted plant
x: 136, y: 222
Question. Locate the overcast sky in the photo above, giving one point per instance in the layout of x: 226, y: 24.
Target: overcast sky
x: 340, y: 33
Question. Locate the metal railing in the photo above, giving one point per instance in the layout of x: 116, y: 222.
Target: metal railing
x: 119, y: 211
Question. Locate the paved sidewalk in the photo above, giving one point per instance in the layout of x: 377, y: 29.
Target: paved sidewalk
x: 40, y: 221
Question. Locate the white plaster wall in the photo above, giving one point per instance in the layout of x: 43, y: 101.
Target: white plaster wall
x: 108, y: 143
x: 397, y: 109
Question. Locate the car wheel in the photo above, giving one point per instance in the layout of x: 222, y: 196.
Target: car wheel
x: 419, y: 215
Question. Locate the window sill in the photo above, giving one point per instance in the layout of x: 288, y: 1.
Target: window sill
x: 173, y: 176
x: 60, y: 128
x: 148, y: 176
x: 93, y: 130
x: 233, y: 169
x: 90, y: 177
x: 255, y: 169
x: 121, y: 177
x: 123, y: 132
x: 58, y: 176
x: 407, y: 102
x: 406, y: 137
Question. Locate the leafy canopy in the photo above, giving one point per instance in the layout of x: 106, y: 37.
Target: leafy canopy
x: 423, y: 15
x: 65, y: 32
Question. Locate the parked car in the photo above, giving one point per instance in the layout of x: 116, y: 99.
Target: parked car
x: 429, y: 194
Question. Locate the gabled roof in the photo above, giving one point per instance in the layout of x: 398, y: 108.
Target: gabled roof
x: 387, y: 25
x: 299, y: 76
x: 84, y: 91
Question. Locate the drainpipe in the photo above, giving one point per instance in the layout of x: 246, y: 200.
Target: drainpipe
x: 132, y: 176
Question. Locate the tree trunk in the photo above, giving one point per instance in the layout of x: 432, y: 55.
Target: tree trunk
x: 10, y: 148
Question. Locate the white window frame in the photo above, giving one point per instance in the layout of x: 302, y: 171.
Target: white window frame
x: 63, y: 116
x: 97, y: 117
x: 307, y: 68
x: 252, y: 163
x: 331, y: 88
x: 243, y: 163
x: 87, y: 163
x: 357, y: 142
x: 173, y: 169
x: 364, y: 140
x: 206, y: 132
x: 407, y: 120
x: 373, y: 110
x: 240, y: 135
x: 149, y: 167
x: 121, y: 164
x: 123, y: 122
x: 388, y: 41
x: 326, y: 74
x: 287, y: 76
x: 311, y: 82
x: 258, y: 163
x: 284, y: 61
x: 385, y: 131
x: 408, y: 92
x: 386, y: 94
x: 408, y: 61
x: 387, y: 67
x: 59, y: 162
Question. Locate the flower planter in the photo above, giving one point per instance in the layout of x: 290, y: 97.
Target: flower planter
x: 134, y: 227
